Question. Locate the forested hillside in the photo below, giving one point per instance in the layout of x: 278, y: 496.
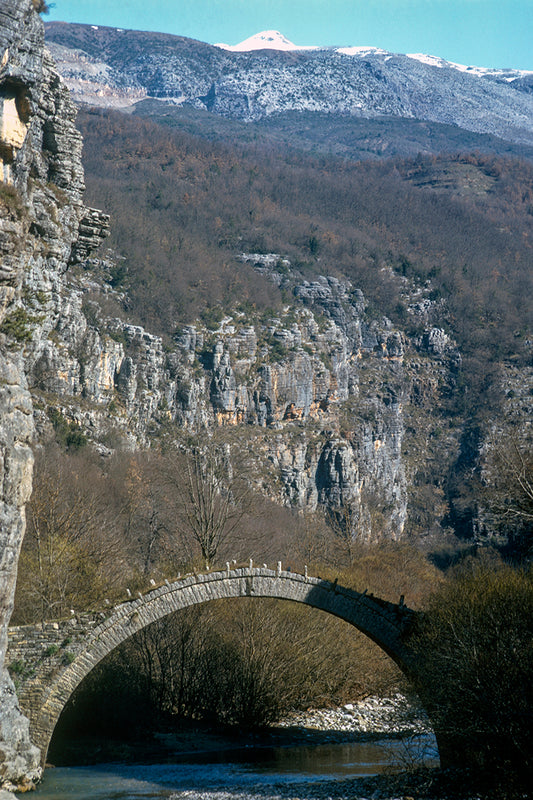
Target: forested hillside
x: 456, y: 227
x: 355, y: 138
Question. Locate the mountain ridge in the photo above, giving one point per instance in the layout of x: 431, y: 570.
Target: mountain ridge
x: 115, y: 67
x: 275, y: 40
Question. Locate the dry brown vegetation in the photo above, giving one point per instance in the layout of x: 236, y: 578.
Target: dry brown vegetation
x: 475, y: 645
x: 183, y: 207
x: 96, y: 529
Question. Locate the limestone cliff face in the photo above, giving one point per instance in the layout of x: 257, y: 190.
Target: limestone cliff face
x: 318, y: 394
x: 40, y: 214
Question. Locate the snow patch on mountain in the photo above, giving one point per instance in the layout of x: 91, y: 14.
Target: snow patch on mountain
x: 481, y: 72
x: 362, y: 51
x: 265, y: 40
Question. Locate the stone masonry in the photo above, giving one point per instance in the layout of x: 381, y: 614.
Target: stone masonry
x: 50, y: 661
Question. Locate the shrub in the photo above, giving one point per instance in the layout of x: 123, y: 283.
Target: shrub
x: 475, y: 649
x: 68, y: 434
x: 11, y: 199
x: 18, y: 325
x: 41, y: 7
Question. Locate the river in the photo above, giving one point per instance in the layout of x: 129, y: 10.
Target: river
x: 302, y: 771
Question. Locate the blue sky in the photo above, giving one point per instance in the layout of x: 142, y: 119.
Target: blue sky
x: 485, y: 33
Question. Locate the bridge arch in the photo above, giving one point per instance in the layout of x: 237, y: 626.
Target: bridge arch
x: 44, y: 696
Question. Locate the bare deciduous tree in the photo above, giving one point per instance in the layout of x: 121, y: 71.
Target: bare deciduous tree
x: 475, y: 649
x: 510, y: 497
x: 212, y: 497
x: 145, y: 511
x: 71, y: 552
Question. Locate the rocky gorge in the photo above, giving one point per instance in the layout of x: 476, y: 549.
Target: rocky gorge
x: 340, y: 410
x: 318, y: 394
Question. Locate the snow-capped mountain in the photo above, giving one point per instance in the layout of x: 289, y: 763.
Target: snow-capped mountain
x: 266, y: 40
x: 481, y: 72
x: 274, y: 40
x: 267, y: 74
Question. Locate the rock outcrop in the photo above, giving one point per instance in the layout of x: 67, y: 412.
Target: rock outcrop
x: 320, y: 394
x: 41, y: 211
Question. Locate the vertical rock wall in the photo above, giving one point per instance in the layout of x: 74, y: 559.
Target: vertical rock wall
x: 40, y: 214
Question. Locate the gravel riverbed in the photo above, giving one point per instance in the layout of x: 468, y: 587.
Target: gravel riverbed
x: 422, y: 785
x: 392, y: 716
x: 372, y: 721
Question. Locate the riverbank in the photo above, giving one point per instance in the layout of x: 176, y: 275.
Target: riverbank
x: 423, y: 784
x: 396, y: 715
x: 205, y: 764
x: 371, y: 719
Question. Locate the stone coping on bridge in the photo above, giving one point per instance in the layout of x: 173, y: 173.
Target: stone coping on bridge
x: 104, y: 614
x: 45, y: 647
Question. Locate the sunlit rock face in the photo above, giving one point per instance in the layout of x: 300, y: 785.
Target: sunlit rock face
x: 40, y: 214
x: 319, y: 395
x: 13, y: 130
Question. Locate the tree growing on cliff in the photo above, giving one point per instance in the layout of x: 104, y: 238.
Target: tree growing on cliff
x: 212, y: 496
x: 41, y: 6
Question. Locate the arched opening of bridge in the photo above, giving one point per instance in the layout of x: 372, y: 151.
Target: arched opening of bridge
x: 228, y: 665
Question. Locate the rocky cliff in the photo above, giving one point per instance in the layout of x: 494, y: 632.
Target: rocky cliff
x: 320, y: 394
x: 41, y: 218
x: 339, y: 410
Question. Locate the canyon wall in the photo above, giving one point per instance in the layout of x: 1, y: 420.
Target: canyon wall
x: 40, y: 213
x: 319, y: 395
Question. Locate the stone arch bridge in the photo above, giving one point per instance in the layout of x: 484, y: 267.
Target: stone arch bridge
x: 48, y: 661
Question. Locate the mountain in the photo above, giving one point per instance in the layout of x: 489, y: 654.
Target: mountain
x: 117, y: 68
x: 266, y: 40
x: 380, y: 307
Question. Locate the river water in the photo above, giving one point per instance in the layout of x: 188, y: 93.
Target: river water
x: 302, y: 771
